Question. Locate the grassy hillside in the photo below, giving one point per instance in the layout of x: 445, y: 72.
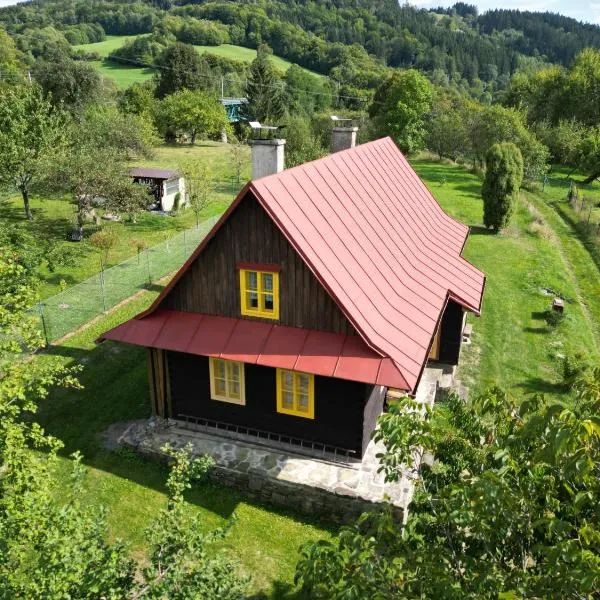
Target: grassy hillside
x: 124, y: 76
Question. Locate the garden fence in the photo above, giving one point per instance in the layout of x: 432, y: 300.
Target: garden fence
x: 68, y: 310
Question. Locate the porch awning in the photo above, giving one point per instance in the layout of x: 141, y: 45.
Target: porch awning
x: 260, y: 343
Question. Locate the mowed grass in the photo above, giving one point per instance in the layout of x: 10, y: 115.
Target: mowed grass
x: 264, y: 540
x: 124, y: 76
x: 513, y: 345
x: 54, y: 217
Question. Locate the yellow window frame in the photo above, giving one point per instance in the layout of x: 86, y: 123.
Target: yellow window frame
x: 261, y: 292
x: 223, y: 380
x: 295, y: 390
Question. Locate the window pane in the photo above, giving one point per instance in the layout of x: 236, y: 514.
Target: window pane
x: 268, y: 301
x: 220, y: 387
x: 234, y: 371
x: 303, y: 403
x: 303, y: 380
x: 234, y: 389
x: 219, y: 367
x: 252, y: 300
x: 251, y: 280
x: 287, y: 380
x: 287, y: 400
x: 267, y: 282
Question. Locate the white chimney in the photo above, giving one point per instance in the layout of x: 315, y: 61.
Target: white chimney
x: 343, y: 135
x: 268, y: 157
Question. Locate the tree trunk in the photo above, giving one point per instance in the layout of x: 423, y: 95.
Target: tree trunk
x: 25, y: 194
x: 193, y: 135
x: 591, y: 178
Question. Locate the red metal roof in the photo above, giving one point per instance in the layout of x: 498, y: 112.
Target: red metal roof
x: 266, y: 344
x: 378, y: 242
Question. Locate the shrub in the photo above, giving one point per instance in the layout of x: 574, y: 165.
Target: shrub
x: 573, y: 367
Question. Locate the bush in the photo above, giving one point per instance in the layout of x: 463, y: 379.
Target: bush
x: 573, y: 368
x: 503, y: 177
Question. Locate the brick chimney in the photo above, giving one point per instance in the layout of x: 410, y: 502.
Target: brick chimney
x: 343, y: 134
x: 268, y: 157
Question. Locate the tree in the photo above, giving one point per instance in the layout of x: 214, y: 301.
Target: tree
x: 400, y: 106
x: 448, y: 127
x: 180, y: 68
x: 9, y: 60
x: 302, y: 145
x: 193, y: 112
x: 54, y: 545
x: 264, y: 90
x: 199, y: 184
x: 239, y: 159
x: 506, y: 507
x: 305, y: 93
x: 69, y: 83
x: 32, y: 133
x: 503, y: 178
x: 105, y: 240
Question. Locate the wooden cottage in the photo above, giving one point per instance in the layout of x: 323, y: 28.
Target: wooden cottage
x: 319, y: 288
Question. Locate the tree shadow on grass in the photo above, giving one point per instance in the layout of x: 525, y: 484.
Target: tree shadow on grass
x: 281, y: 591
x: 481, y: 230
x: 537, y: 385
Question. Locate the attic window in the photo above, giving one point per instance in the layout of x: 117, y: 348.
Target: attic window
x: 259, y: 292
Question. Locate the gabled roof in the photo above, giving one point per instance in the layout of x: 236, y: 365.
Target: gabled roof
x: 376, y: 239
x: 150, y: 173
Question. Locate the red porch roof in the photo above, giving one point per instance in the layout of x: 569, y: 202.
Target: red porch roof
x: 266, y: 344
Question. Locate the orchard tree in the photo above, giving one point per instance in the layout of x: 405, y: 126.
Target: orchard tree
x: 400, y: 108
x: 264, y: 90
x: 32, y: 136
x: 195, y: 113
x: 503, y: 178
x: 199, y: 185
x: 507, y: 506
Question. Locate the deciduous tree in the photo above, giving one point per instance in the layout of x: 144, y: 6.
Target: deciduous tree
x: 32, y: 136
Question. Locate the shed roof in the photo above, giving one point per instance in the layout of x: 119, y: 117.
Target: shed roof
x: 153, y: 173
x: 377, y: 240
x: 266, y: 344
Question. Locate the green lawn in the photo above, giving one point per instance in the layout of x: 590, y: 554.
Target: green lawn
x: 513, y: 345
x: 124, y: 76
x: 54, y: 217
x: 264, y: 540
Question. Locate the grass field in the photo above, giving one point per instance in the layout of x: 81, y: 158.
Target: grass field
x: 54, y: 217
x: 513, y: 346
x: 124, y: 76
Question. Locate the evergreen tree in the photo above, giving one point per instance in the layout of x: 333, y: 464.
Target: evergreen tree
x: 180, y: 68
x: 504, y: 174
x: 264, y: 90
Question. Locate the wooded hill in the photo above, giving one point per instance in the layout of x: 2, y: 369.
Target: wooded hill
x: 350, y: 40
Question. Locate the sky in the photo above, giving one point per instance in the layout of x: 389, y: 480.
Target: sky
x: 583, y: 10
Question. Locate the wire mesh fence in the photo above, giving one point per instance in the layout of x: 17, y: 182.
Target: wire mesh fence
x: 68, y: 310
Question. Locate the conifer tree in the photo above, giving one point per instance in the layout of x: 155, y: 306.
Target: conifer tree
x: 504, y: 174
x: 264, y: 90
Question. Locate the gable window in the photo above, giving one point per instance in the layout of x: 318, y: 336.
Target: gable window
x: 259, y: 291
x: 296, y: 393
x: 227, y: 381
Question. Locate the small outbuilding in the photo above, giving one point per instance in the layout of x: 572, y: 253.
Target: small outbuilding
x: 163, y: 185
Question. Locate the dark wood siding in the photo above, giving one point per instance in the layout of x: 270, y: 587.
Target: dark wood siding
x: 451, y: 335
x: 211, y: 284
x: 339, y: 404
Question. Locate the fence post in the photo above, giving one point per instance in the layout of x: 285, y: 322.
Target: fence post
x: 102, y: 290
x: 43, y: 320
x: 148, y: 265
